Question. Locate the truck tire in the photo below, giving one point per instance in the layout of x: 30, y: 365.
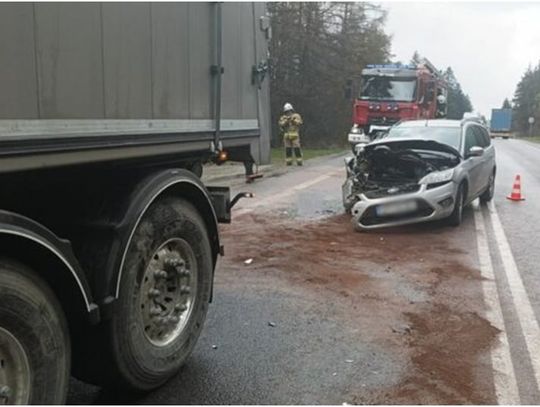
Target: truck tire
x: 35, y: 354
x: 164, y: 295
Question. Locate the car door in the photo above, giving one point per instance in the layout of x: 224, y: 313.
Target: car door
x: 473, y: 165
x: 488, y: 162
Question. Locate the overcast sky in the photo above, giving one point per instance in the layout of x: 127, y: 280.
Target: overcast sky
x: 488, y: 44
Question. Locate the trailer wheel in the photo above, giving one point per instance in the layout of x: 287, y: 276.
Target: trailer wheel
x: 164, y: 294
x: 35, y: 353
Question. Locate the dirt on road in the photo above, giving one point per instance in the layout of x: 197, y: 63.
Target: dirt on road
x: 412, y: 290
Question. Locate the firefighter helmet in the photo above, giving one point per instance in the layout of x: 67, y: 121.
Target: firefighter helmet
x: 441, y: 99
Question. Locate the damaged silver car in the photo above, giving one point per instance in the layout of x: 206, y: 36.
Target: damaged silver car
x: 422, y: 170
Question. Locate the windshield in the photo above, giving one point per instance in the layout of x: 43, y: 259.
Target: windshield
x: 388, y: 88
x: 445, y: 135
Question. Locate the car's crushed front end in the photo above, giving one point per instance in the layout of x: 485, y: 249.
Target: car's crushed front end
x: 397, y: 182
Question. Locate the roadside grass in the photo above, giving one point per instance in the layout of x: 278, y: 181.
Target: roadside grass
x: 534, y: 139
x: 278, y: 154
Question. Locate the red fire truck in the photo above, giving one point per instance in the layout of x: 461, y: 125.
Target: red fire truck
x: 395, y: 92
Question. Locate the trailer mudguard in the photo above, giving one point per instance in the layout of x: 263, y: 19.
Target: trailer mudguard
x: 180, y: 182
x: 22, y: 237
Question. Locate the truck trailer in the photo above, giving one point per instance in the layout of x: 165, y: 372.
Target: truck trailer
x: 500, y: 124
x: 108, y: 237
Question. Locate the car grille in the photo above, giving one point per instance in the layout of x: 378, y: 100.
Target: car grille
x: 370, y: 218
x: 382, y: 120
x: 383, y: 192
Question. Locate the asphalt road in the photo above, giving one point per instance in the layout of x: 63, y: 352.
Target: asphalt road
x: 425, y: 314
x: 516, y: 263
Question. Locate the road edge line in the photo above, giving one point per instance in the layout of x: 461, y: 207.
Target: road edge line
x: 504, y: 377
x: 287, y: 193
x: 526, y: 317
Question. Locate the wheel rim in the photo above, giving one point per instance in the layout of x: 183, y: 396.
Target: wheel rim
x: 168, y: 292
x: 15, y: 376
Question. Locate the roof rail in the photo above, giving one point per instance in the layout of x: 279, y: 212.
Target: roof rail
x: 471, y: 118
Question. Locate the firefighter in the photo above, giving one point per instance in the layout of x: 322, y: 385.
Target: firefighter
x: 290, y: 123
x: 441, y: 105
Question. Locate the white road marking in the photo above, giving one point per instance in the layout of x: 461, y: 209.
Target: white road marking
x: 287, y: 193
x: 504, y: 378
x: 524, y: 310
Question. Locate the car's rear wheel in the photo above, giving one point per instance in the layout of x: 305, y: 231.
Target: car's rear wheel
x: 456, y: 216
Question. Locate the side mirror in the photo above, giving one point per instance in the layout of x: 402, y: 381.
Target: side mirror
x: 475, y: 151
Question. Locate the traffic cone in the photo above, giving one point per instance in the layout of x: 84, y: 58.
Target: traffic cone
x: 516, y: 190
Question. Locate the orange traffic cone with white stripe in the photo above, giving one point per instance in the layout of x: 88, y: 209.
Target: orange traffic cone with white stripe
x: 516, y: 190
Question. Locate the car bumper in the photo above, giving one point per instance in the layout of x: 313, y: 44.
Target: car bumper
x: 432, y: 204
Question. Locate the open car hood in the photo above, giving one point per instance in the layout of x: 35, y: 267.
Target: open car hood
x: 412, y: 144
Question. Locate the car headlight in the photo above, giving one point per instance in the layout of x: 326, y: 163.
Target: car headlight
x: 438, y: 177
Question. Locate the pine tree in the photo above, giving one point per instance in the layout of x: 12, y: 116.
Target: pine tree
x: 527, y: 101
x: 316, y: 48
x: 458, y: 102
x: 506, y: 104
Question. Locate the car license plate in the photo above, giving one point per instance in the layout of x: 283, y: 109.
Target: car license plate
x: 396, y: 208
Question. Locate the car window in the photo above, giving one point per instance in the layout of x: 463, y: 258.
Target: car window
x: 481, y: 136
x: 486, y: 137
x: 445, y: 135
x: 470, y: 139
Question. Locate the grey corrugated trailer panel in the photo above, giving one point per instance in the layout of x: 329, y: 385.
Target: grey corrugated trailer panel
x: 122, y: 61
x: 239, y: 99
x: 127, y: 53
x: 170, y: 62
x: 125, y: 60
x: 18, y: 94
x: 69, y: 60
x: 200, y: 57
x: 263, y: 96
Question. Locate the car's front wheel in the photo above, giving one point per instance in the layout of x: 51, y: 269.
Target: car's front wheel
x: 456, y: 216
x: 487, y: 195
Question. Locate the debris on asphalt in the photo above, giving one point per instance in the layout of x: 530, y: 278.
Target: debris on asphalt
x: 402, y: 329
x: 214, y: 346
x: 334, y: 374
x: 248, y: 262
x: 349, y: 361
x: 272, y: 324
